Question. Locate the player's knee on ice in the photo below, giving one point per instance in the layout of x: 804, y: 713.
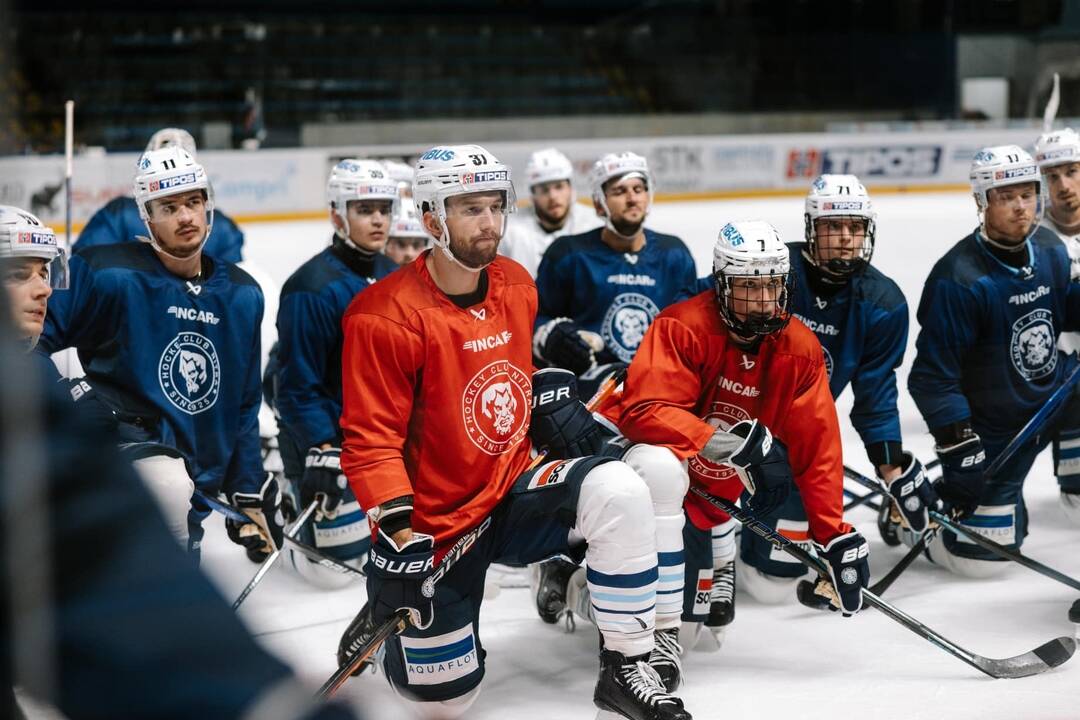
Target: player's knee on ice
x: 663, y: 473
x: 169, y: 483
x: 964, y: 566
x: 765, y: 588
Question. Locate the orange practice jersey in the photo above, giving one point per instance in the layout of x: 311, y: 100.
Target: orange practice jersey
x: 688, y: 378
x: 436, y: 397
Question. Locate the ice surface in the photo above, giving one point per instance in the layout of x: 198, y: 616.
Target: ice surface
x: 784, y: 661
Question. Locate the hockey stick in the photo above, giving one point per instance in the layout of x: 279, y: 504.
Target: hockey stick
x: 1036, y: 423
x: 1046, y: 656
x: 399, y: 621
x: 313, y: 554
x: 983, y: 542
x: 69, y: 150
x: 272, y: 557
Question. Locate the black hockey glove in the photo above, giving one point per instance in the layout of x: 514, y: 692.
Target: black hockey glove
x: 913, y: 494
x: 847, y: 557
x: 560, y: 421
x: 762, y: 462
x: 563, y: 343
x: 355, y: 637
x: 323, y: 480
x: 962, y: 479
x: 266, y: 532
x: 397, y: 578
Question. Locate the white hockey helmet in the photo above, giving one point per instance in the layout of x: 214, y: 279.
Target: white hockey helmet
x: 399, y: 172
x: 548, y: 165
x: 839, y: 196
x: 448, y: 170
x: 354, y: 179
x: 22, y: 235
x: 618, y: 167
x: 171, y: 137
x: 752, y: 249
x: 1057, y: 148
x: 169, y: 171
x: 406, y: 223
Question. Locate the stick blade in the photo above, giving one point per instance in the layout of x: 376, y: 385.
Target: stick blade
x: 1045, y: 657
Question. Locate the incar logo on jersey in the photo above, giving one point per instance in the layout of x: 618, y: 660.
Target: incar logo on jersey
x: 495, y: 407
x: 723, y: 415
x: 873, y: 161
x: 625, y: 323
x: 189, y: 373
x: 1032, y: 348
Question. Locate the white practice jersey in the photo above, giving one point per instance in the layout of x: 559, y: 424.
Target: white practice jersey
x: 526, y: 240
x: 1069, y: 342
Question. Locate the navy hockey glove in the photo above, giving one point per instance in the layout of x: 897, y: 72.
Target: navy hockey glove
x: 560, y: 423
x: 913, y: 494
x: 563, y: 343
x: 962, y: 479
x: 266, y: 532
x: 762, y: 462
x: 847, y: 557
x: 398, y: 575
x: 323, y: 480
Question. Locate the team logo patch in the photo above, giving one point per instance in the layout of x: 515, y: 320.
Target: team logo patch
x: 723, y: 415
x: 1032, y: 347
x: 440, y: 659
x: 849, y: 576
x: 625, y: 323
x: 189, y: 373
x: 495, y: 407
x: 828, y: 361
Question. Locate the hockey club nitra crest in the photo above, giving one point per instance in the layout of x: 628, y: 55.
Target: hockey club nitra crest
x: 1033, y: 347
x: 828, y: 361
x: 189, y: 373
x: 625, y: 323
x: 495, y: 407
x: 724, y: 416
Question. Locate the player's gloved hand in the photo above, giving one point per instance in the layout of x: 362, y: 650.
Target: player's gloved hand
x: 913, y: 494
x: 962, y: 479
x: 762, y: 465
x: 266, y: 532
x: 323, y: 480
x: 563, y: 343
x: 355, y: 638
x: 398, y: 575
x: 847, y: 558
x: 560, y: 421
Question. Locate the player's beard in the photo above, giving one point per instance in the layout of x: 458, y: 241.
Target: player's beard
x: 475, y: 257
x: 550, y: 221
x: 627, y: 228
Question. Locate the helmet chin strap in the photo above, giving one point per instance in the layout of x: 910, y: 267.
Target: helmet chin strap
x: 445, y: 247
x: 611, y: 226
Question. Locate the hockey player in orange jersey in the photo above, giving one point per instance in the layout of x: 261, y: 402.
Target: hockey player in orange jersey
x: 733, y: 360
x: 437, y: 388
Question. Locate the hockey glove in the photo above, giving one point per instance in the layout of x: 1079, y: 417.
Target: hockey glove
x: 962, y: 479
x: 355, y: 638
x: 323, y: 480
x: 563, y: 343
x: 847, y: 557
x: 560, y: 423
x: 266, y: 532
x: 913, y: 494
x: 762, y: 465
x: 397, y: 578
